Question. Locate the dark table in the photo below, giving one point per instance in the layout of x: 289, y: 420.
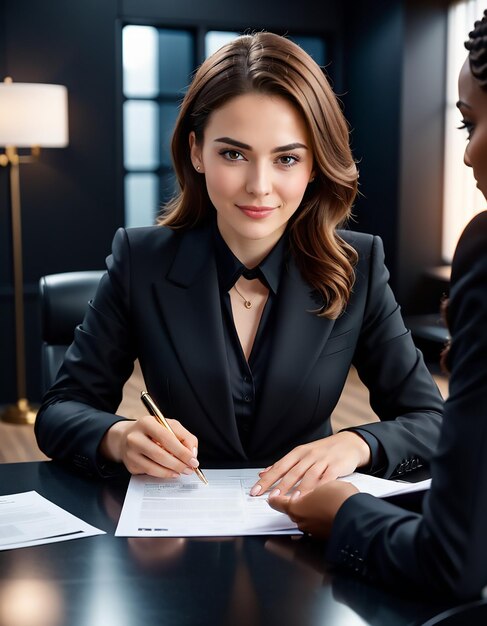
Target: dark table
x: 118, y: 581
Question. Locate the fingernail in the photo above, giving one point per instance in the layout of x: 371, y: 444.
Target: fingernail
x: 255, y: 490
x: 295, y: 495
x: 195, y: 452
x: 188, y: 471
x: 276, y: 492
x: 194, y: 462
x: 266, y: 469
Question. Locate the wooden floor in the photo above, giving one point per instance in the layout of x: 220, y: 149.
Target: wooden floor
x: 18, y: 444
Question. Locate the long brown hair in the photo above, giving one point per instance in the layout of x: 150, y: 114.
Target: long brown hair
x: 270, y: 64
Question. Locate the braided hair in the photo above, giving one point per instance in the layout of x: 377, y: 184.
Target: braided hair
x: 477, y: 49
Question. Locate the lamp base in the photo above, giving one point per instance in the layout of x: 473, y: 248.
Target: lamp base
x: 20, y: 413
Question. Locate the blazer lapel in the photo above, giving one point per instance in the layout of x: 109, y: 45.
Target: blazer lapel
x: 189, y: 300
x: 299, y: 339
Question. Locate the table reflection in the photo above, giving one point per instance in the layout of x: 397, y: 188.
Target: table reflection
x: 235, y: 581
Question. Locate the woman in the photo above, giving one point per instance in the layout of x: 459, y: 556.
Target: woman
x: 246, y: 306
x: 445, y: 549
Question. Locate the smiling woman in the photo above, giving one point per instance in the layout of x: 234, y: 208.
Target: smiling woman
x: 249, y: 302
x: 257, y: 162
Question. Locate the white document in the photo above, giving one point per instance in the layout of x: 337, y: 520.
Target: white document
x: 185, y: 507
x: 381, y: 487
x: 28, y: 519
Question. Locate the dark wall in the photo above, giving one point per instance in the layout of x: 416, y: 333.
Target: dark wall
x: 421, y: 154
x: 395, y: 72
x: 72, y: 198
x: 281, y: 16
x: 373, y: 68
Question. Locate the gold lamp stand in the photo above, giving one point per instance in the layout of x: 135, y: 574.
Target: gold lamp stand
x: 31, y: 114
x: 21, y: 412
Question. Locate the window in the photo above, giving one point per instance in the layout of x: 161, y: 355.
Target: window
x: 215, y: 39
x: 157, y: 67
x: 462, y: 200
x: 157, y: 64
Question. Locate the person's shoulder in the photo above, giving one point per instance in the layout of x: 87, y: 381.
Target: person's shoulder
x: 472, y: 246
x: 362, y: 242
x: 146, y: 239
x: 146, y: 234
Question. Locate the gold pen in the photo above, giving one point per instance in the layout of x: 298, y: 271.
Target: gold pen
x: 151, y: 406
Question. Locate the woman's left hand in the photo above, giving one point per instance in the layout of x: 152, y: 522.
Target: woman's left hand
x: 314, y: 463
x: 315, y: 512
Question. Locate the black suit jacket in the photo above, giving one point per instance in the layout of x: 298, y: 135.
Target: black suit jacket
x: 159, y: 302
x: 445, y: 548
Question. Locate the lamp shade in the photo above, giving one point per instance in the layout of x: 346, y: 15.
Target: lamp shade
x: 33, y: 114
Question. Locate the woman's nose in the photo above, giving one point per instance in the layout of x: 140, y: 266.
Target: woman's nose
x: 466, y: 158
x: 259, y: 180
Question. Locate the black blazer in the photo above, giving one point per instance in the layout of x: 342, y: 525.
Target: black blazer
x: 445, y: 548
x: 160, y: 302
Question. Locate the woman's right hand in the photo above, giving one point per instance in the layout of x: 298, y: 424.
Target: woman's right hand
x: 146, y: 447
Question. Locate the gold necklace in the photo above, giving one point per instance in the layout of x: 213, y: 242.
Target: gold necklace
x: 247, y: 303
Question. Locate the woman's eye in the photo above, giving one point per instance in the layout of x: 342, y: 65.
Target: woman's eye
x: 288, y: 160
x: 468, y: 126
x: 232, y: 155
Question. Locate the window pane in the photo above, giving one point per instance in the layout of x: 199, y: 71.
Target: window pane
x: 314, y: 46
x: 141, y: 199
x: 215, y: 39
x: 140, y: 61
x: 140, y: 134
x: 176, y: 60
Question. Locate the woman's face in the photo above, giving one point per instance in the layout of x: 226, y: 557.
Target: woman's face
x: 257, y: 160
x: 473, y: 107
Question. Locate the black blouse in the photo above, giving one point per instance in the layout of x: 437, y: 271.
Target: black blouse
x: 247, y: 378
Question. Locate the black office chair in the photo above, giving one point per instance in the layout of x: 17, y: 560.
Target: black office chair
x: 430, y: 334
x: 470, y: 614
x: 64, y: 300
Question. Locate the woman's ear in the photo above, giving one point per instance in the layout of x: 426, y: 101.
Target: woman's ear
x: 195, y: 152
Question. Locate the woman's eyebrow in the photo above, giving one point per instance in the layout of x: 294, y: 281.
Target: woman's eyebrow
x: 290, y: 146
x: 245, y: 146
x: 233, y: 142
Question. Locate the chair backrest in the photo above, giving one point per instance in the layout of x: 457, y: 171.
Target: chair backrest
x: 470, y: 614
x: 64, y: 299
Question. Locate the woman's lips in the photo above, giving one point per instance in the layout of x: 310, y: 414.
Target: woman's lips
x: 256, y: 212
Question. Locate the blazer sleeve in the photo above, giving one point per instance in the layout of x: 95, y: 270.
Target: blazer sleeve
x: 80, y: 406
x: 443, y: 550
x: 402, y: 391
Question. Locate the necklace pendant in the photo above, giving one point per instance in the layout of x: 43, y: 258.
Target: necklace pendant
x: 247, y: 303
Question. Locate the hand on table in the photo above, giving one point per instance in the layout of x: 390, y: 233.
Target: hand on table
x: 146, y: 447
x: 314, y: 463
x: 315, y: 512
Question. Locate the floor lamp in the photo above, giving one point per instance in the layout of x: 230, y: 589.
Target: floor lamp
x: 32, y: 115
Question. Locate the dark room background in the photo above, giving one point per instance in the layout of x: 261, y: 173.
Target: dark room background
x: 386, y: 61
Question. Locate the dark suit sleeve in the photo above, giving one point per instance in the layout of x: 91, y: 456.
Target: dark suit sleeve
x: 444, y: 549
x: 80, y: 406
x: 402, y: 391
